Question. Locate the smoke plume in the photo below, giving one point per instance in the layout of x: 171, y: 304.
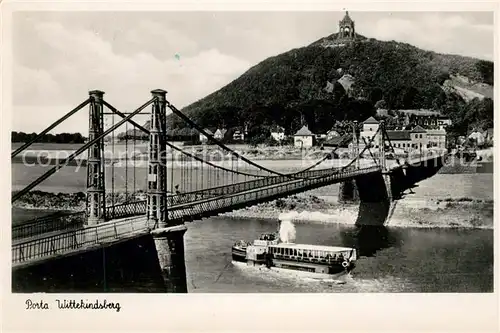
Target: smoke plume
x: 287, y: 228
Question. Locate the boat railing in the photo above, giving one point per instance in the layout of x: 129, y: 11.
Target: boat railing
x: 330, y: 260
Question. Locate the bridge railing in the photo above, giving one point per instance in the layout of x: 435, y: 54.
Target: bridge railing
x: 50, y: 223
x: 258, y: 194
x: 126, y: 209
x: 67, y: 221
x: 139, y: 207
x: 75, y: 239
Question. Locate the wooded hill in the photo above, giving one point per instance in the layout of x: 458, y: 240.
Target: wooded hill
x: 303, y: 82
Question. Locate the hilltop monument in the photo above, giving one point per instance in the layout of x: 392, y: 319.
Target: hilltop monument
x: 346, y: 29
x: 345, y: 35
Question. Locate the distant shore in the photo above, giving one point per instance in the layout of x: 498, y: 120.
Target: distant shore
x: 280, y: 158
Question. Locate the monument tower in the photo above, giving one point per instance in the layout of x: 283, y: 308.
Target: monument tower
x: 346, y: 28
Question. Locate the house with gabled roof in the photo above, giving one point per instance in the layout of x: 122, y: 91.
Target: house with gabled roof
x: 419, y: 137
x: 370, y: 131
x: 303, y: 138
x: 219, y: 133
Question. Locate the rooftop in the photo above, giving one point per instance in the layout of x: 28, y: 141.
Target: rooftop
x: 371, y: 120
x: 399, y: 135
x: 338, y: 140
x: 347, y: 18
x: 304, y: 131
x: 420, y: 112
x: 418, y: 129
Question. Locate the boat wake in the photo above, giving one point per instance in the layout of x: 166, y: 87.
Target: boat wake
x: 262, y: 272
x: 293, y: 281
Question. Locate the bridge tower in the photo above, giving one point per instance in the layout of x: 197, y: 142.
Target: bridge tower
x: 355, y: 143
x: 381, y: 146
x: 348, y: 190
x: 385, y: 172
x: 96, y: 200
x: 168, y: 239
x: 157, y: 164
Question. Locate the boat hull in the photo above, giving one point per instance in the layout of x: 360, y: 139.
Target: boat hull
x: 287, y: 271
x: 239, y: 254
x: 312, y: 275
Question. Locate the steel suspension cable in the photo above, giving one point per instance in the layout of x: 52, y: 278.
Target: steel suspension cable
x: 77, y: 153
x: 126, y: 161
x: 114, y: 110
x: 224, y: 147
x: 113, y: 165
x: 260, y: 168
x: 371, y: 154
x: 362, y: 152
x: 133, y: 161
x: 48, y: 129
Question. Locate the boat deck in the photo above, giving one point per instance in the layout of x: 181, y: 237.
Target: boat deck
x: 311, y: 247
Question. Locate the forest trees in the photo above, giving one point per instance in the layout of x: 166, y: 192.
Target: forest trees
x: 48, y: 138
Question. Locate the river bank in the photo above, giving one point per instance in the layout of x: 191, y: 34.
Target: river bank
x: 447, y: 213
x: 308, y: 208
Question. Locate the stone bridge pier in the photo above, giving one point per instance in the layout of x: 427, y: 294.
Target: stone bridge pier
x: 374, y: 197
x: 376, y: 193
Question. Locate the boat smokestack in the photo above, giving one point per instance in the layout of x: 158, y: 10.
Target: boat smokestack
x: 287, y: 231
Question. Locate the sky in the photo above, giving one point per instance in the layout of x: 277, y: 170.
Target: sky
x: 60, y: 56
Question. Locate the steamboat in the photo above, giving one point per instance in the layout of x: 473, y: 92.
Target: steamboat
x: 313, y: 260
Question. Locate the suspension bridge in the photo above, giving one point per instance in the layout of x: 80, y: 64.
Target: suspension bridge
x: 195, y: 188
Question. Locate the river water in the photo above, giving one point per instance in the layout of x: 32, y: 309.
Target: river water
x: 391, y: 259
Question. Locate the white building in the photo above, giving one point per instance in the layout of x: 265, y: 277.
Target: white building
x: 278, y: 133
x: 416, y: 139
x: 219, y: 134
x: 443, y: 122
x: 419, y: 138
x: 436, y: 138
x: 304, y: 138
x: 238, y: 135
x: 370, y: 127
x: 400, y: 139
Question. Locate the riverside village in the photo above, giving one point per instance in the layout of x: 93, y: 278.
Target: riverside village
x: 341, y: 164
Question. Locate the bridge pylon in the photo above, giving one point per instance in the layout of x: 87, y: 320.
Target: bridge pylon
x: 157, y: 163
x: 96, y: 200
x: 355, y: 144
x: 382, y: 146
x: 168, y: 239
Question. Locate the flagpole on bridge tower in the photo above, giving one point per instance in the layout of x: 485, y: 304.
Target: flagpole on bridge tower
x: 96, y: 200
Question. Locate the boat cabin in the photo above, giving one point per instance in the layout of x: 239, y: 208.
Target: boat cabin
x: 312, y: 253
x: 266, y: 239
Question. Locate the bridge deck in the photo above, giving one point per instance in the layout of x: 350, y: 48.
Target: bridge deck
x: 25, y: 252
